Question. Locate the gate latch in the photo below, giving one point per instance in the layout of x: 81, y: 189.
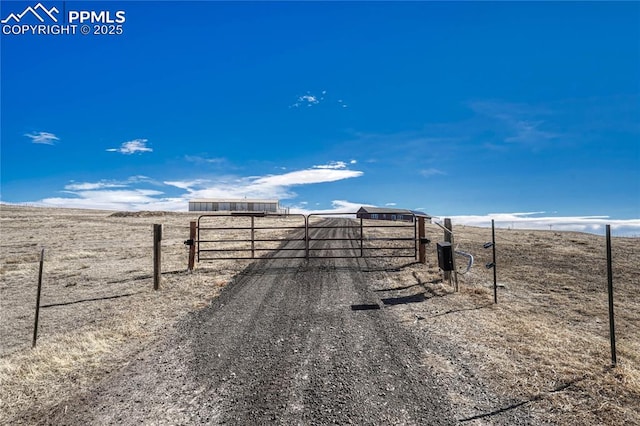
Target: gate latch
x: 188, y: 242
x: 424, y: 241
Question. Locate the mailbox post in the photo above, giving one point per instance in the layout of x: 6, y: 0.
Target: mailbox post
x: 445, y: 256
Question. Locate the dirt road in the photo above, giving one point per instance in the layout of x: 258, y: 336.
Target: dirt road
x: 290, y: 341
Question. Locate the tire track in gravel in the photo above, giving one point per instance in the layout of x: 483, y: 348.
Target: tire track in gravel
x: 280, y: 345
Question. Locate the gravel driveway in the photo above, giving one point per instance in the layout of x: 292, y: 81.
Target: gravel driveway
x: 290, y: 341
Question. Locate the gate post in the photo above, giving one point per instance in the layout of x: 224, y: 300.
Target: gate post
x: 192, y: 247
x: 421, y: 246
x: 361, y: 238
x: 306, y: 237
x: 447, y: 238
x: 253, y: 244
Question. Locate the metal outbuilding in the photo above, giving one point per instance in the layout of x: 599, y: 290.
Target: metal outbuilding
x: 235, y: 205
x: 381, y: 213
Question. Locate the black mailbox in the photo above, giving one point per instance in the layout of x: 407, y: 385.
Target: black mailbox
x: 445, y: 256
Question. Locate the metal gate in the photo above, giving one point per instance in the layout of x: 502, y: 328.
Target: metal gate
x: 238, y: 236
x: 364, y: 237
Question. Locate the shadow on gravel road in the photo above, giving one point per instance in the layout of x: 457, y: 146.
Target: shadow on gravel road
x: 365, y: 307
x: 402, y: 300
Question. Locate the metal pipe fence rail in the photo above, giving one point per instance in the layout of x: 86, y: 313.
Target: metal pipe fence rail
x: 242, y: 236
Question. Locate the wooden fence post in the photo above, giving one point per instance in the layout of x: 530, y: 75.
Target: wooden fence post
x: 422, y: 249
x: 157, y: 255
x: 192, y: 247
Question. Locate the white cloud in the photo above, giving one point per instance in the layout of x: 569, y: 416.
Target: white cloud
x: 337, y: 206
x: 518, y: 123
x: 528, y: 132
x: 91, y: 186
x: 126, y: 199
x: 203, y: 159
x: 353, y: 162
x: 308, y: 100
x: 122, y: 196
x: 431, y: 172
x: 131, y: 147
x: 538, y: 220
x: 45, y: 138
x: 304, y: 177
x: 391, y: 204
x: 141, y: 179
x: 108, y: 184
x: 128, y: 194
x: 186, y: 184
x: 332, y: 165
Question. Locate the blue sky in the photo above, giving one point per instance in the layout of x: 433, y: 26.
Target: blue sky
x: 529, y: 110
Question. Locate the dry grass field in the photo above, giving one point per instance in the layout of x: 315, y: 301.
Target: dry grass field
x: 98, y: 306
x: 545, y: 344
